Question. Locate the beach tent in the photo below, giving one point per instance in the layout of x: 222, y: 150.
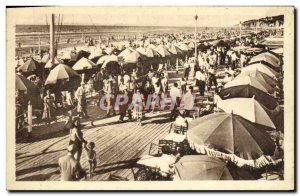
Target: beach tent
x: 232, y: 134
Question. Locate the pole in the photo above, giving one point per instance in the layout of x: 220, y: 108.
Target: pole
x: 108, y: 39
x: 39, y: 45
x: 52, y: 42
x: 240, y: 31
x: 29, y: 117
x: 196, y: 18
x: 99, y: 41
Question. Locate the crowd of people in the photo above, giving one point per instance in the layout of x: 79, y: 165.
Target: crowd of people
x: 133, y: 92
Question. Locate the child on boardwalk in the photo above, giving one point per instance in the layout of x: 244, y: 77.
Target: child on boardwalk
x: 91, y: 157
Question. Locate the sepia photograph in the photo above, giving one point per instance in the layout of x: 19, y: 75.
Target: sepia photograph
x: 150, y: 98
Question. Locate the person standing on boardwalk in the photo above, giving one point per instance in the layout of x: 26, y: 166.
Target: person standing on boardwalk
x: 175, y: 100
x: 186, y: 71
x: 200, y: 81
x: 49, y: 106
x: 138, y: 103
x: 76, y: 138
x: 188, y: 99
x: 81, y: 101
x: 69, y: 167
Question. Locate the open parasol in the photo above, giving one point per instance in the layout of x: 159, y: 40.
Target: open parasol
x: 64, y: 76
x: 248, y: 91
x: 29, y: 66
x: 84, y: 64
x: 262, y: 68
x: 232, y: 134
x: 252, y: 81
x: 247, y: 108
x: 203, y: 167
x: 32, y: 92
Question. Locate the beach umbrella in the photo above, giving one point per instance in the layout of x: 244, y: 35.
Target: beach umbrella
x: 45, y: 58
x: 202, y: 47
x: 278, y: 51
x: 252, y: 81
x: 84, y: 64
x: 163, y: 50
x: 109, y: 50
x: 75, y: 56
x: 222, y: 43
x: 203, y: 167
x: 141, y: 50
x: 96, y: 53
x: 175, y: 50
x: 19, y: 62
x: 107, y: 58
x: 260, y: 76
x: 49, y: 63
x: 125, y: 53
x: 133, y: 57
x: 64, y: 77
x: 24, y: 84
x: 32, y: 92
x: 191, y: 45
x: 254, y: 50
x: 262, y: 68
x: 65, y: 54
x: 29, y: 66
x: 151, y: 53
x: 240, y: 48
x: 248, y: 91
x: 247, y: 108
x: 231, y: 133
x: 183, y: 47
x: 266, y: 59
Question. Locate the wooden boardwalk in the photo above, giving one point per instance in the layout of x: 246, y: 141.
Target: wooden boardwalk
x: 118, y: 146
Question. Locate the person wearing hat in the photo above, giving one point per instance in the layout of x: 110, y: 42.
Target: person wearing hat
x: 81, y: 101
x: 69, y: 167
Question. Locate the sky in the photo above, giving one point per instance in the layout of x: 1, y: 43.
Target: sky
x: 145, y: 16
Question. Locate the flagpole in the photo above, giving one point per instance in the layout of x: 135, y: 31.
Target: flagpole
x: 196, y: 18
